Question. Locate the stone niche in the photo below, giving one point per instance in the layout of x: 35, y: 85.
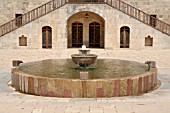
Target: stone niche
x: 148, y: 41
x: 22, y: 41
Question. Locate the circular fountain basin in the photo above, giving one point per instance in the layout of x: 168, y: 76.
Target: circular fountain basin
x: 61, y: 78
x: 84, y: 60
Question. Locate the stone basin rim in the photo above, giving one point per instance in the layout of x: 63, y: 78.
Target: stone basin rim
x: 88, y: 55
x: 152, y: 70
x: 132, y: 85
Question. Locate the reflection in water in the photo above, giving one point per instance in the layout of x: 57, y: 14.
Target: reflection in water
x: 65, y: 68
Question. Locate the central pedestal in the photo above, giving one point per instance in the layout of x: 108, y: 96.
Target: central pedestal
x: 84, y: 59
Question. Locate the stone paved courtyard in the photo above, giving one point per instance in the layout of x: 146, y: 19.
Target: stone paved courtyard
x: 157, y: 101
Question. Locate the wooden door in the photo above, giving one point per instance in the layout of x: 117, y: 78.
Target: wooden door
x: 94, y: 35
x: 124, y: 37
x: 77, y: 34
x: 46, y: 37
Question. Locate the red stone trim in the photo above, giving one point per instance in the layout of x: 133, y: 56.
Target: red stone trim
x: 116, y: 88
x: 67, y: 93
x: 129, y: 87
x: 140, y: 85
x: 99, y: 92
x: 44, y: 86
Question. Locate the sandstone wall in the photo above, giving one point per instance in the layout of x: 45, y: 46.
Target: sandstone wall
x: 8, y: 8
x: 114, y: 20
x: 161, y: 8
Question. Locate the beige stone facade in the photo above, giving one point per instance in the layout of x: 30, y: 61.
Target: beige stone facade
x: 111, y: 21
x: 8, y: 8
x: 161, y: 8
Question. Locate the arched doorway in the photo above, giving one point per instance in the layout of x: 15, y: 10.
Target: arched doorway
x: 85, y: 28
x: 124, y: 37
x: 46, y: 37
x: 77, y: 34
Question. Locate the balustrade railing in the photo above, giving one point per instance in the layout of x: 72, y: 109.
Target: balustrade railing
x: 31, y: 16
x: 140, y: 15
x: 54, y: 4
x: 86, y: 1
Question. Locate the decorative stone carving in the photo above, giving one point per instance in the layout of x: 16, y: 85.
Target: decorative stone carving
x: 149, y: 41
x: 151, y: 64
x: 22, y: 41
x: 84, y: 75
x: 16, y: 62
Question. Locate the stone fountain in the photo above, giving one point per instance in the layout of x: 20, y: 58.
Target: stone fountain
x: 62, y: 78
x: 84, y: 59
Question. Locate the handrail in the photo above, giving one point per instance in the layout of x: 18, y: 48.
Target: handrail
x: 140, y: 15
x: 54, y: 4
x: 86, y: 1
x: 31, y: 16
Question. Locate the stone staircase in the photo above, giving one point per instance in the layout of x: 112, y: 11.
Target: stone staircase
x: 55, y: 4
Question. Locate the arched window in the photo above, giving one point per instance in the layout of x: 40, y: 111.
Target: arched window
x: 77, y: 34
x: 46, y: 37
x: 124, y: 37
x: 94, y: 34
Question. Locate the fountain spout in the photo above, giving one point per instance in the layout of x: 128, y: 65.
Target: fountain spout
x: 84, y: 51
x: 83, y: 47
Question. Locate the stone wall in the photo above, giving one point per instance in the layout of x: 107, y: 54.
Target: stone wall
x: 114, y: 20
x: 161, y: 8
x: 8, y: 8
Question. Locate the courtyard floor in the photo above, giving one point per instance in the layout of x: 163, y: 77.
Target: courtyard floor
x: 157, y: 101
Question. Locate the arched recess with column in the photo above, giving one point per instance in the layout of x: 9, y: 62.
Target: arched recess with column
x: 46, y: 37
x: 85, y: 28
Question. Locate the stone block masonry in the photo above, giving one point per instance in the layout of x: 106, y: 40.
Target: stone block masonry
x: 75, y: 88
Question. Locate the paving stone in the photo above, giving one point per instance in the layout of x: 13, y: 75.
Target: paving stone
x: 157, y: 101
x: 59, y: 110
x: 37, y: 110
x: 84, y: 110
x: 96, y: 110
x: 72, y: 110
